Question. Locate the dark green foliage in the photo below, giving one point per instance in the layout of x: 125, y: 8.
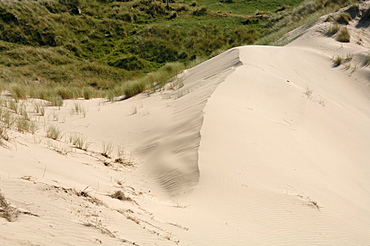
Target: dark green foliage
x: 129, y: 63
x: 201, y: 11
x: 7, y: 17
x: 101, y: 44
x: 72, y: 6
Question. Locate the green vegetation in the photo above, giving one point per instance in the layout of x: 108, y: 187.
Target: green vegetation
x: 53, y: 132
x: 305, y: 14
x: 79, y: 141
x: 60, y: 49
x: 339, y: 60
x: 344, y: 18
x: 343, y: 35
x: 334, y: 28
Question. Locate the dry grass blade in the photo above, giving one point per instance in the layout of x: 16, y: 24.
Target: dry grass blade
x: 7, y: 211
x: 107, y: 149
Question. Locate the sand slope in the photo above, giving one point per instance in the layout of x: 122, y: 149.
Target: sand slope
x: 260, y: 146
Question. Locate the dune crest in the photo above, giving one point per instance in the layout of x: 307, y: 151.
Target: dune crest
x: 172, y: 154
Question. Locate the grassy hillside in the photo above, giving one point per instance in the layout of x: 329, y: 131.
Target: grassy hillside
x: 57, y: 49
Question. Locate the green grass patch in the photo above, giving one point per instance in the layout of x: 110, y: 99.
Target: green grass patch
x: 68, y: 49
x: 343, y: 35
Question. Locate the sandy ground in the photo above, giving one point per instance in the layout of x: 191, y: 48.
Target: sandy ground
x: 257, y: 146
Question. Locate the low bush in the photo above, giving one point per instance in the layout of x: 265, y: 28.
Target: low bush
x: 334, y: 28
x: 343, y: 35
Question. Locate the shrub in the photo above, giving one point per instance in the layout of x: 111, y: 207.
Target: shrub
x: 343, y: 35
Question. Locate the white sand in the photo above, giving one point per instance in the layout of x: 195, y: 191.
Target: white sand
x: 261, y: 146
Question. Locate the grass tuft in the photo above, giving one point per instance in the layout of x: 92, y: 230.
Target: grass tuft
x: 107, y: 149
x: 334, y: 28
x: 343, y: 35
x: 79, y: 109
x: 53, y: 132
x: 338, y: 61
x: 79, y: 141
x: 22, y: 124
x: 134, y: 88
x: 18, y: 91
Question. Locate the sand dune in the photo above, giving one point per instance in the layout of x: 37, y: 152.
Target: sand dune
x: 260, y: 146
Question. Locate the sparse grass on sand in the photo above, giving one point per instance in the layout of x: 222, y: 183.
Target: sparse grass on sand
x: 79, y: 141
x: 334, y: 28
x: 53, y: 132
x: 107, y: 148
